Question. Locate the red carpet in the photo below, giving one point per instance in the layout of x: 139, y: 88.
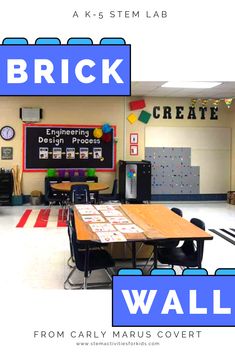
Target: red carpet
x: 44, y: 218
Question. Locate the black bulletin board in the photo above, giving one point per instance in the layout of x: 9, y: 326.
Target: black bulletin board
x: 66, y: 147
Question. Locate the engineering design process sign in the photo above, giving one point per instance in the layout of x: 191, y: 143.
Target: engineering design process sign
x: 66, y: 146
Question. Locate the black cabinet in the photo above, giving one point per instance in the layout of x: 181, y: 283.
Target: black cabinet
x: 6, y: 188
x: 135, y: 181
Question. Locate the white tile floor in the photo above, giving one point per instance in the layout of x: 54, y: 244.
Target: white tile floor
x: 36, y: 258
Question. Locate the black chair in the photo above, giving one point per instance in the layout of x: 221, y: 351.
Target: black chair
x: 77, y: 178
x: 71, y: 225
x: 178, y: 211
x: 188, y: 255
x: 161, y: 242
x: 53, y: 197
x: 94, y: 179
x: 93, y: 195
x: 80, y: 194
x: 88, y: 256
x: 113, y: 196
x: 171, y: 243
x: 167, y: 243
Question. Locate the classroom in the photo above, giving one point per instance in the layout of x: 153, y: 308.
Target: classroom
x: 124, y: 182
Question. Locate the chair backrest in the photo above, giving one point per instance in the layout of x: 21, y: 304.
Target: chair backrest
x: 93, y: 179
x: 115, y: 186
x: 177, y: 211
x: 77, y: 247
x: 49, y: 192
x: 188, y: 245
x: 70, y: 219
x: 80, y: 194
x: 74, y: 244
x: 72, y: 233
x: 70, y: 224
x: 198, y: 222
x: 77, y: 178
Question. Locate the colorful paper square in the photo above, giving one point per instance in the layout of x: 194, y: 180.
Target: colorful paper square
x: 144, y: 117
x: 132, y: 118
x: 135, y: 105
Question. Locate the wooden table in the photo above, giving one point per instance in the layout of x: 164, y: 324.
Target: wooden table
x: 93, y: 187
x: 157, y: 222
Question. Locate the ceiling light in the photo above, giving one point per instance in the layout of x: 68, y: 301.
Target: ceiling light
x: 191, y: 84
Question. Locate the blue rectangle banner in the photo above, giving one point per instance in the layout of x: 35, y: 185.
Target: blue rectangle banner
x: 62, y: 70
x: 173, y: 301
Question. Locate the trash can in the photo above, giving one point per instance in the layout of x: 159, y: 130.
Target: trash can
x: 36, y: 198
x: 231, y: 197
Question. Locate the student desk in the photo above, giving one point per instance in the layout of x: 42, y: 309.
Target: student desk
x: 157, y: 222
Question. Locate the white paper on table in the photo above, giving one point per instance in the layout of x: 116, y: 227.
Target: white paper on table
x: 118, y: 220
x: 85, y: 211
x: 102, y: 227
x: 93, y: 219
x: 129, y: 228
x: 84, y: 206
x: 111, y: 237
x: 104, y: 207
x: 111, y: 213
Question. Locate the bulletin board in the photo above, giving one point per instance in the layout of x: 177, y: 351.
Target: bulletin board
x: 66, y: 147
x: 172, y: 172
x: 189, y: 159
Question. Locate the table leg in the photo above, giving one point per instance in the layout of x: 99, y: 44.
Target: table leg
x: 155, y: 255
x: 200, y: 252
x: 64, y: 212
x: 86, y: 262
x: 97, y: 198
x: 134, y: 254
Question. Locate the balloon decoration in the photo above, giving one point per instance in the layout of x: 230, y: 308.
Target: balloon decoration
x: 105, y: 132
x: 106, y: 128
x: 107, y: 137
x: 97, y: 133
x: 228, y: 102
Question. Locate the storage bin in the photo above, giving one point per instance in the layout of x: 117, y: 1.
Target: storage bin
x: 61, y: 173
x: 81, y: 172
x: 91, y: 172
x: 71, y: 172
x: 17, y: 200
x: 51, y: 172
